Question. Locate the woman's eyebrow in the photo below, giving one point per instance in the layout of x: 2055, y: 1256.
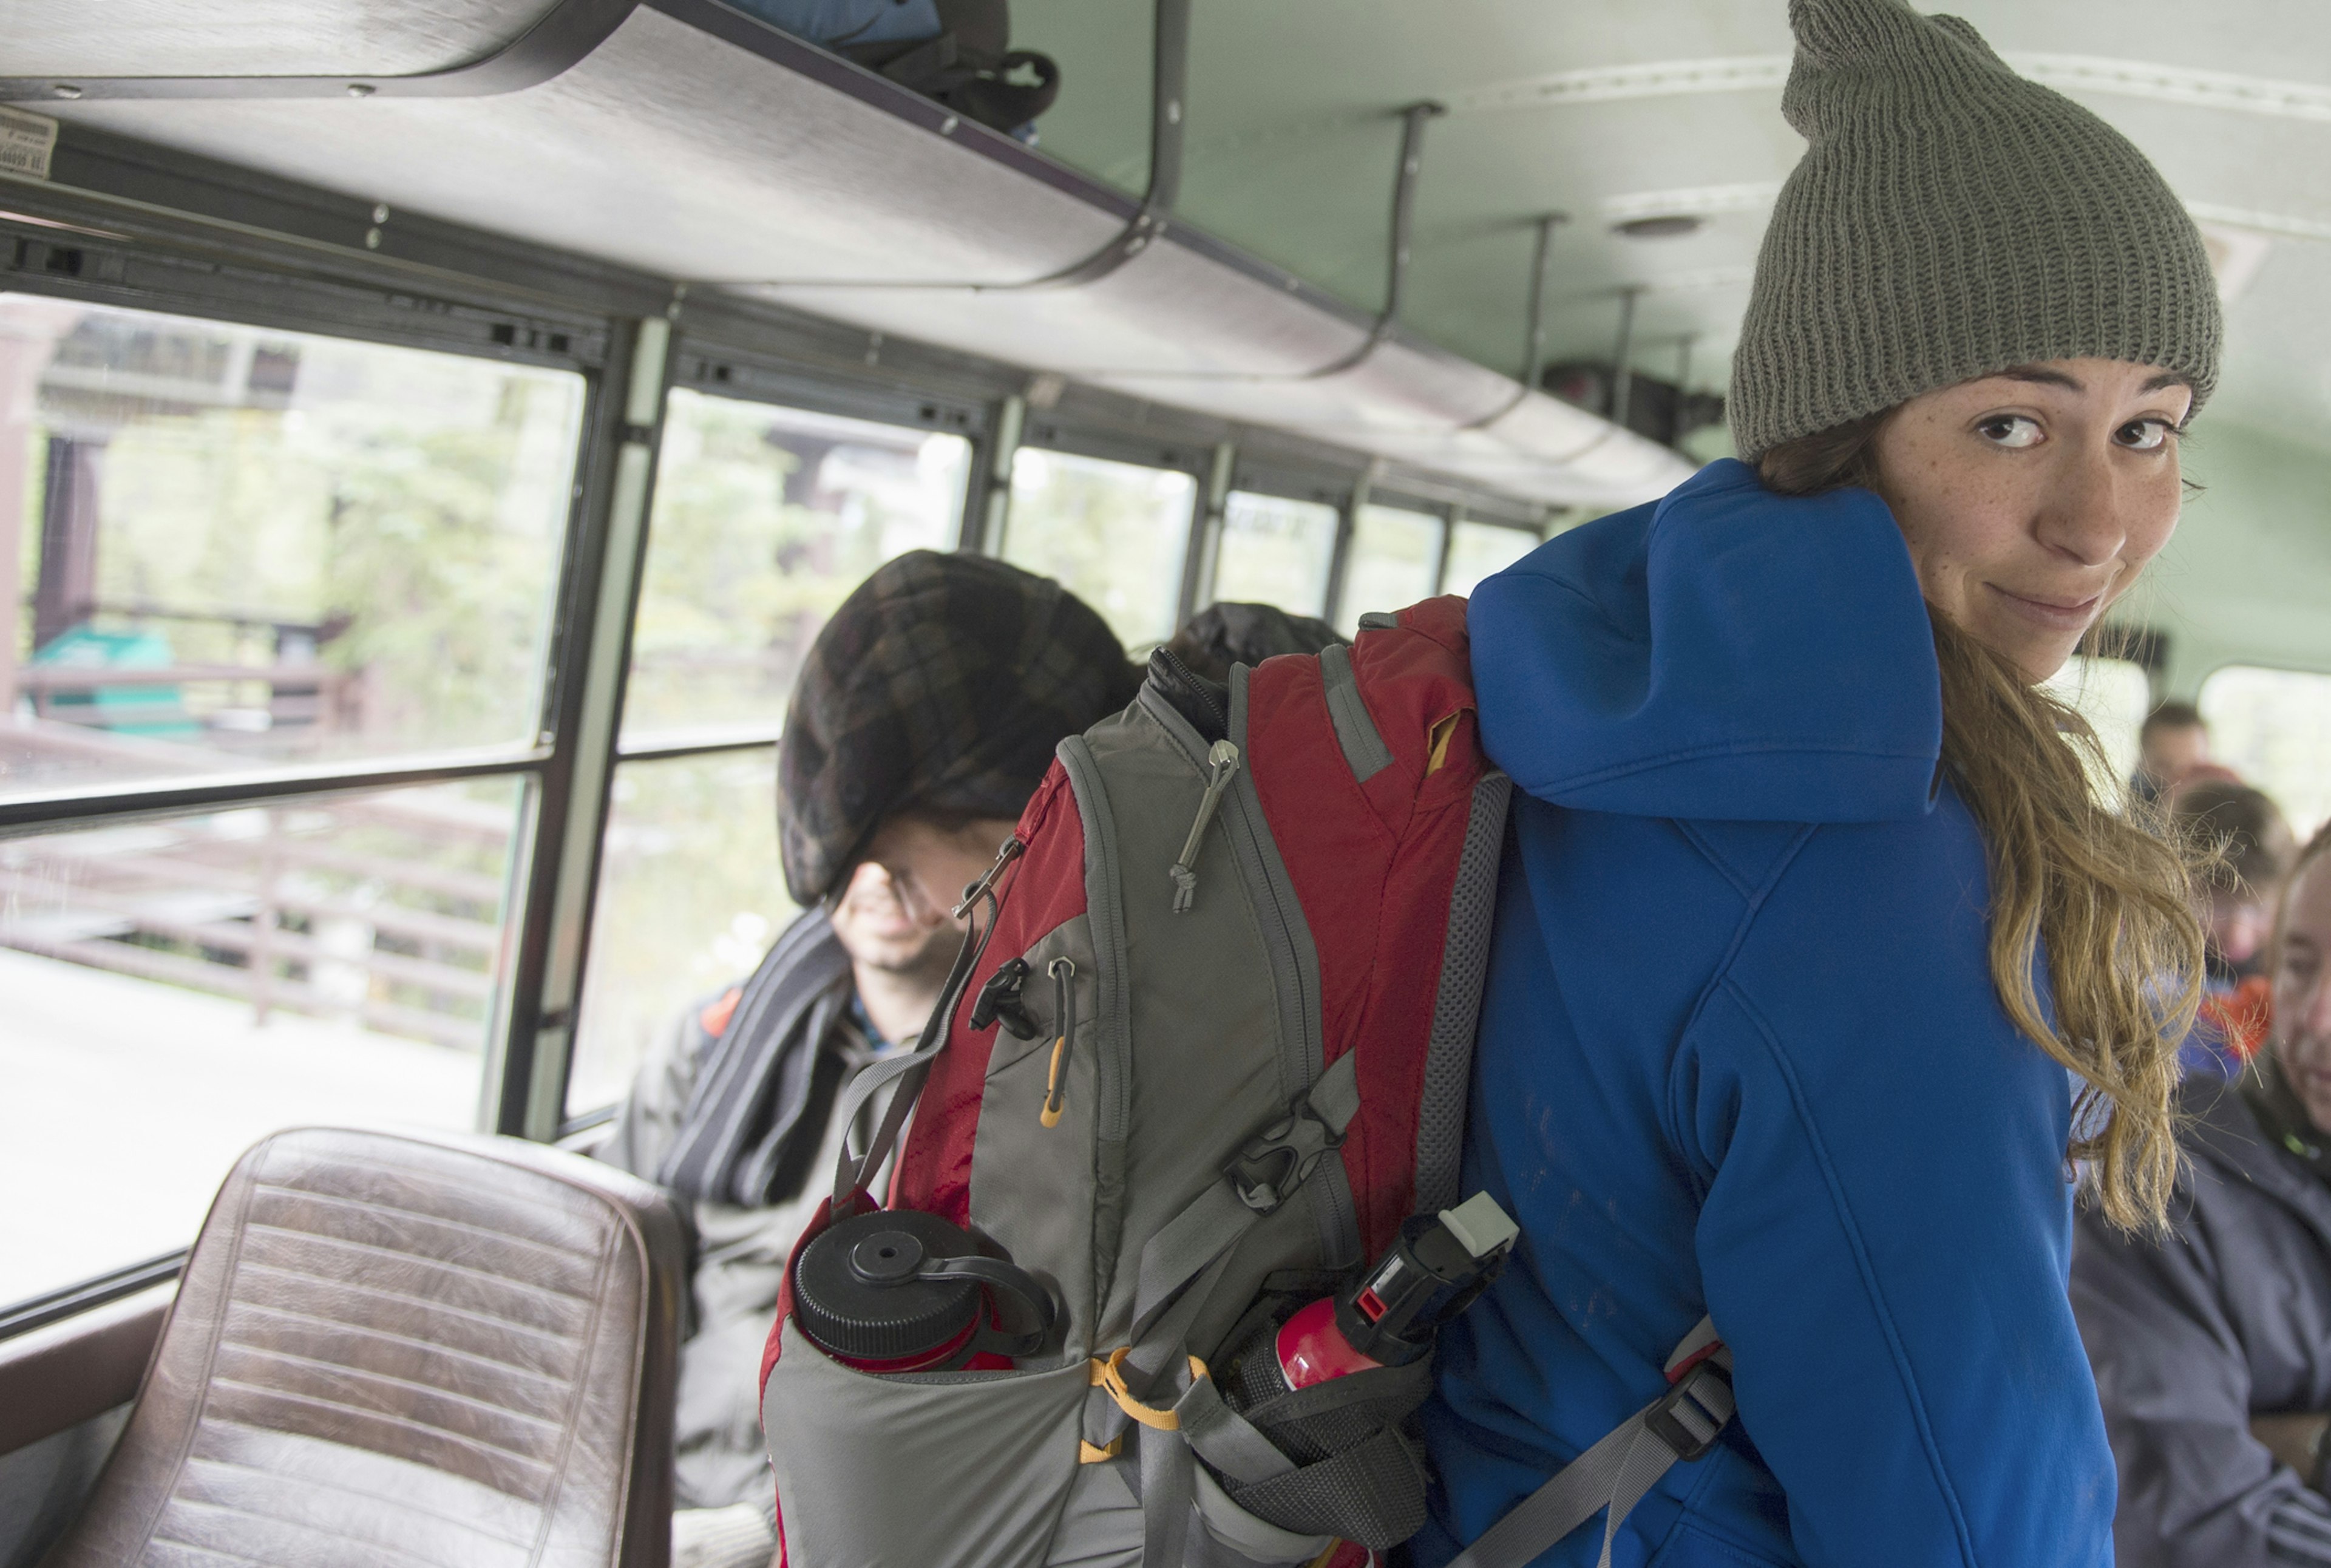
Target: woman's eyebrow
x: 2040, y: 374
x: 2166, y: 379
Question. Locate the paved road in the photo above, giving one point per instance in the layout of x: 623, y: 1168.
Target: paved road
x: 124, y: 1102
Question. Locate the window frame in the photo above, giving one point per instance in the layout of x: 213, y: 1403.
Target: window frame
x: 755, y: 376
x: 1073, y: 438
x: 2271, y: 666
x: 479, y: 322
x: 159, y: 230
x: 1460, y: 516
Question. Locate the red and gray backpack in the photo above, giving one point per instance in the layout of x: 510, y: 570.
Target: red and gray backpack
x: 1119, y: 1307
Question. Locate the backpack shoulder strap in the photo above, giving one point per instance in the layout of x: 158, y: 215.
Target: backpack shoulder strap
x: 1682, y: 1424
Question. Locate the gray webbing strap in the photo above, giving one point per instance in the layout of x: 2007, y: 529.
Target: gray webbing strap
x: 849, y: 1175
x: 1185, y: 1247
x: 849, y: 1171
x: 1618, y: 1471
x: 1161, y: 1345
x: 1168, y: 1492
x: 1184, y: 1261
x: 1225, y: 1439
x: 1214, y: 1221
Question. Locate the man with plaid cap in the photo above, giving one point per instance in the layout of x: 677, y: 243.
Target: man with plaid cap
x: 924, y: 718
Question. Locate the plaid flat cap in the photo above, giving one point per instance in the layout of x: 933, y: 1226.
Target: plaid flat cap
x: 942, y: 683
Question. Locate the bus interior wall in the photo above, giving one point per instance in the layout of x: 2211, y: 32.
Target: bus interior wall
x: 433, y: 434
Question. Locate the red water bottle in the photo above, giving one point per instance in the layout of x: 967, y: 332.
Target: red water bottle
x: 1434, y: 1271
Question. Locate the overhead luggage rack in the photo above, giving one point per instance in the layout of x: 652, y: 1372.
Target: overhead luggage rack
x: 692, y: 142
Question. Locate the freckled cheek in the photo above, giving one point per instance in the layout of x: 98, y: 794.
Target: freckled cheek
x: 2151, y: 529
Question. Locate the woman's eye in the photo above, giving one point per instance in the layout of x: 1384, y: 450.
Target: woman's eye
x: 2142, y: 434
x: 2010, y: 430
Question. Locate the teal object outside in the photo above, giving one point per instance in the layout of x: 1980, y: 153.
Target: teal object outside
x: 158, y: 710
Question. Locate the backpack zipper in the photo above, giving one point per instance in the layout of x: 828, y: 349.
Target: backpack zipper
x: 1222, y: 764
x: 1063, y: 970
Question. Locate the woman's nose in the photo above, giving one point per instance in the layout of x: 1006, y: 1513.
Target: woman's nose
x: 2081, y: 517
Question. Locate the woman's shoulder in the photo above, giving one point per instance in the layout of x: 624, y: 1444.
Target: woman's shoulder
x: 1877, y: 935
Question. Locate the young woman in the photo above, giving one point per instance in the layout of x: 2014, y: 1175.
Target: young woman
x: 1818, y: 968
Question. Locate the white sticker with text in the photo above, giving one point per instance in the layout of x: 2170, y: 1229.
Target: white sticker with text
x: 27, y: 142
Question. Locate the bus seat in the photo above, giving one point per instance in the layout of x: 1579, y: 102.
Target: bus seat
x: 410, y: 1348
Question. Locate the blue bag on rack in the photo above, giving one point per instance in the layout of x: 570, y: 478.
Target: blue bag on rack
x: 956, y: 51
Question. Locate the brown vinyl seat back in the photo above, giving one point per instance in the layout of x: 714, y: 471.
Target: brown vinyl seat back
x: 406, y: 1351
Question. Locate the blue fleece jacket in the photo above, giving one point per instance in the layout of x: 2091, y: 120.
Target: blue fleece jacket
x: 1740, y: 1055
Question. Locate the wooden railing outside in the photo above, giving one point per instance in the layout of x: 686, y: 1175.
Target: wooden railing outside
x: 383, y: 910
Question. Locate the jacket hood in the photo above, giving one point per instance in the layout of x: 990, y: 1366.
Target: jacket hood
x: 1721, y: 653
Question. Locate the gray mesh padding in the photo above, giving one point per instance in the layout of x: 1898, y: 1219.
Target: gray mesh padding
x: 1361, y: 1473
x: 1457, y: 1012
x: 1373, y: 1493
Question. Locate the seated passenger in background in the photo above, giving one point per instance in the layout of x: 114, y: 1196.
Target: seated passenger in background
x: 924, y: 717
x: 2212, y: 1345
x: 2252, y: 849
x: 2171, y: 743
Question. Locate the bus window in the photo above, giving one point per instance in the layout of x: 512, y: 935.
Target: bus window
x: 1276, y: 551
x: 179, y: 987
x: 2273, y: 727
x: 1396, y: 561
x: 1115, y: 533
x: 2114, y: 695
x: 765, y: 519
x: 243, y: 547
x: 1476, y: 550
x: 690, y: 898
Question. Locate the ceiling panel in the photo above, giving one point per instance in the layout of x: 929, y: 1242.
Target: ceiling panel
x: 1293, y: 129
x: 669, y: 151
x: 256, y: 37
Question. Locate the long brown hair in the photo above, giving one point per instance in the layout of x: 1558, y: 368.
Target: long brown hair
x: 2106, y: 896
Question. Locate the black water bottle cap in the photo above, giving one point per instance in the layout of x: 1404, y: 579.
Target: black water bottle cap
x: 855, y: 1295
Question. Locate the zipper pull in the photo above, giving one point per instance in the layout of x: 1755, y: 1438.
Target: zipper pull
x: 1221, y: 762
x: 1063, y: 971
x: 999, y: 1002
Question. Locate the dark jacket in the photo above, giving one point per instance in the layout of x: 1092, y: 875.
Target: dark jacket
x: 2230, y: 1317
x: 1740, y: 1054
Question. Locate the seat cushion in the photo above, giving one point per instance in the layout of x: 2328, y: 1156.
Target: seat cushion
x: 407, y: 1350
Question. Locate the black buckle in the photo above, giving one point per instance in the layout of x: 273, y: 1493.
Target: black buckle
x: 1281, y: 1158
x: 1692, y: 1415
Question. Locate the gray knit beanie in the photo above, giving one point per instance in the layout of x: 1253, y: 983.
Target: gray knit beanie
x: 1950, y: 219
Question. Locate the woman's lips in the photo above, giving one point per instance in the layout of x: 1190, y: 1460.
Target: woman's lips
x: 2058, y: 614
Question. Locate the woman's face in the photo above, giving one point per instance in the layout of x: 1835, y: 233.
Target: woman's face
x: 2302, y: 990
x: 2032, y: 498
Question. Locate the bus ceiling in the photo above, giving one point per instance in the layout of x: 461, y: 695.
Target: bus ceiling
x: 1338, y: 220
x: 692, y: 142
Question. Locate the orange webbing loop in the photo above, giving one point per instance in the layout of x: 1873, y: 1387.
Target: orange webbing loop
x: 1110, y: 1374
x: 1053, y: 1105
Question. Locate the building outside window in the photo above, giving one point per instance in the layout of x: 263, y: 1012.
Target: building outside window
x: 235, y: 550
